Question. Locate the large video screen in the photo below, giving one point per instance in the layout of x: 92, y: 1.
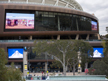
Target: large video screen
x: 98, y: 52
x: 19, y: 21
x: 94, y: 25
x: 15, y: 53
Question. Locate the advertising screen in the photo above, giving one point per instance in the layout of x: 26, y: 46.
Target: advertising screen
x: 98, y: 52
x: 19, y: 21
x: 15, y: 53
x: 94, y: 25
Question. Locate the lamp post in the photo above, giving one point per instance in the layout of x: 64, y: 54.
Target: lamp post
x: 79, y: 61
x: 47, y: 65
x: 25, y: 61
x: 29, y: 49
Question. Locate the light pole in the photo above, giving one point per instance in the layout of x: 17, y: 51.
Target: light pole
x: 29, y: 49
x: 25, y: 61
x: 79, y: 61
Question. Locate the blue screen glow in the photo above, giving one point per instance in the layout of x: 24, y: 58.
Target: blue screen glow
x: 98, y: 52
x: 15, y: 52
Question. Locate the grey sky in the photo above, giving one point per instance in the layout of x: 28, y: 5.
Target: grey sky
x: 100, y: 9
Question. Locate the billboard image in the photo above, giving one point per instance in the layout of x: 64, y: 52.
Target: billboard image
x: 98, y: 53
x: 19, y: 21
x: 94, y: 25
x: 15, y: 52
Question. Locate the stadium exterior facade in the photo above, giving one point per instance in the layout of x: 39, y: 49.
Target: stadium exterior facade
x: 50, y: 19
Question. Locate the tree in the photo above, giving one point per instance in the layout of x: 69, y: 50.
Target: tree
x: 3, y: 68
x: 64, y: 51
x: 100, y: 68
x: 105, y: 51
x: 103, y: 64
x: 8, y: 73
x: 14, y: 74
x: 86, y: 51
x: 105, y: 45
x: 106, y: 35
x: 59, y: 49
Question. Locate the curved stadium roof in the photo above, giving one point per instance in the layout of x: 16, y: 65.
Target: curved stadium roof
x: 59, y: 3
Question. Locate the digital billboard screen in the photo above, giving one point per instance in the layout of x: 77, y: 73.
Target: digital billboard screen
x: 19, y: 21
x: 94, y: 25
x: 15, y: 53
x: 98, y: 52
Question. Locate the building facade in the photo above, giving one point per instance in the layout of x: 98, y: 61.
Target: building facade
x: 23, y: 21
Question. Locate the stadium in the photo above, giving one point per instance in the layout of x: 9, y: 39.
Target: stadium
x: 23, y: 21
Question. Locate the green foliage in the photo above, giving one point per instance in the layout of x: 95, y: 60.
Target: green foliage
x: 85, y: 48
x: 8, y: 74
x: 3, y: 69
x: 106, y: 35
x: 105, y: 50
x: 101, y: 68
x: 56, y: 48
x: 105, y: 59
x: 65, y: 52
x: 86, y: 51
x: 56, y: 63
x: 14, y: 74
x: 91, y: 71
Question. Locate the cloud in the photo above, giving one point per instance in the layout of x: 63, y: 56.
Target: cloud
x: 100, y: 9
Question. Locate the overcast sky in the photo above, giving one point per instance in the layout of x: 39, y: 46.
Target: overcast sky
x: 100, y: 10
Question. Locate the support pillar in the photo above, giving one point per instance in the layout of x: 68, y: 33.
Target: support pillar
x: 77, y: 37
x: 24, y: 63
x: 58, y: 37
x: 46, y: 67
x: 30, y: 38
x: 52, y: 37
x: 98, y: 36
x: 87, y: 38
x: 69, y: 37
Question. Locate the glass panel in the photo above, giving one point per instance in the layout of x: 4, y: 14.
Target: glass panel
x: 74, y: 26
x: 65, y: 23
x: 46, y: 22
x: 49, y: 21
x: 88, y: 24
